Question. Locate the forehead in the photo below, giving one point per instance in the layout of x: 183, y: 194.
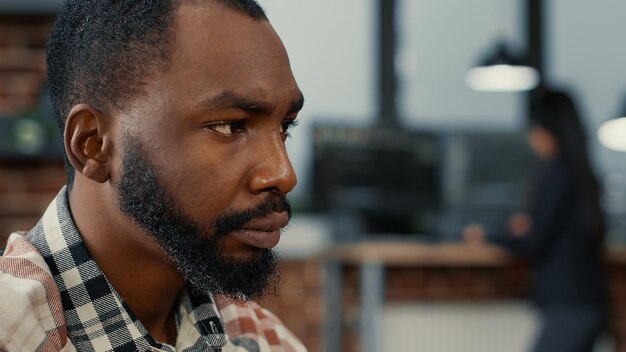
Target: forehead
x: 217, y: 49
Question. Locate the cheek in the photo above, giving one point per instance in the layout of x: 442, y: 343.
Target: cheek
x: 207, y: 186
x: 205, y: 175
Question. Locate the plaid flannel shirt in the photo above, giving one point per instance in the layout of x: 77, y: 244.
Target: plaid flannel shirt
x: 54, y: 297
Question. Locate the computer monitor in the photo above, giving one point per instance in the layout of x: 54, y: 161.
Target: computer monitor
x: 388, y: 177
x: 486, y: 180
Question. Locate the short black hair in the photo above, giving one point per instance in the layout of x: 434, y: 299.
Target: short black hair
x: 100, y: 52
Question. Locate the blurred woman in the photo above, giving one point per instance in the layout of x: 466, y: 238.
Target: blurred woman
x: 562, y: 231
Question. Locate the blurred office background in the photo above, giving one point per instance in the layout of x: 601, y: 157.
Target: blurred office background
x: 449, y: 156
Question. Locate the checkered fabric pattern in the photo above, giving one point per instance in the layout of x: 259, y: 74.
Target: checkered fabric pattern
x: 255, y: 328
x: 56, y: 298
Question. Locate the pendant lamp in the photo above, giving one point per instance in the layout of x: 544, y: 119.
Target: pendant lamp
x: 612, y: 133
x: 502, y: 72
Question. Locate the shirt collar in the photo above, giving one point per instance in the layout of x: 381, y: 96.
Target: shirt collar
x: 95, y: 314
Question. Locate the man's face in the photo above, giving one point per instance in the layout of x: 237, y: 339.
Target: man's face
x: 203, y: 167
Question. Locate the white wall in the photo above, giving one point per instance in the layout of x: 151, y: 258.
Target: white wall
x: 439, y: 41
x: 498, y: 326
x: 459, y: 326
x: 331, y: 48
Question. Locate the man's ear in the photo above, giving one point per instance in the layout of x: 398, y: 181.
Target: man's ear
x: 88, y: 142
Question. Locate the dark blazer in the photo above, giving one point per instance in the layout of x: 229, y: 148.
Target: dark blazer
x: 565, y: 258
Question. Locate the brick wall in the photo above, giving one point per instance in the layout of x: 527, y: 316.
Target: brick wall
x: 303, y: 281
x: 299, y: 301
x: 22, y: 61
x: 422, y: 284
x: 26, y: 189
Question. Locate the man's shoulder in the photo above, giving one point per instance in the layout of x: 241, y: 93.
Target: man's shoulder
x: 249, y: 323
x: 31, y: 309
x: 19, y: 248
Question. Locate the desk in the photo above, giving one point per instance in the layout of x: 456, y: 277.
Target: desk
x: 373, y: 258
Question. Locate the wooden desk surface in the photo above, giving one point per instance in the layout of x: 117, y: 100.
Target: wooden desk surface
x: 444, y: 254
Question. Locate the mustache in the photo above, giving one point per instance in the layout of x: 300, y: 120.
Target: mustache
x: 234, y: 220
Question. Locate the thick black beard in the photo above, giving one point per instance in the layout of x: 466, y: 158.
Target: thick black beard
x: 194, y: 248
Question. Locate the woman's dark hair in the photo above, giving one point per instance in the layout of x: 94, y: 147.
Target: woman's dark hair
x: 556, y: 112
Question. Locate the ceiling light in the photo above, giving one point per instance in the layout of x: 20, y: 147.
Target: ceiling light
x: 612, y: 134
x: 501, y: 72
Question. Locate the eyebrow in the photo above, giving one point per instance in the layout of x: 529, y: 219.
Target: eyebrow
x: 231, y: 100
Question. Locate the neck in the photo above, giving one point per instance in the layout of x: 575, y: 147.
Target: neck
x: 131, y: 260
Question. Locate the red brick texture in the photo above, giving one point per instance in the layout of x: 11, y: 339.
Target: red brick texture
x: 26, y: 189
x: 299, y: 301
x: 302, y: 287
x: 22, y: 61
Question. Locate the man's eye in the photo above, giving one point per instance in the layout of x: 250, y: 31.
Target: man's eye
x: 228, y: 128
x: 287, y: 126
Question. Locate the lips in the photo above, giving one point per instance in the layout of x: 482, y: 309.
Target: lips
x: 263, y: 232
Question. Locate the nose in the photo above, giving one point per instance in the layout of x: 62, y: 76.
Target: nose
x: 273, y: 171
